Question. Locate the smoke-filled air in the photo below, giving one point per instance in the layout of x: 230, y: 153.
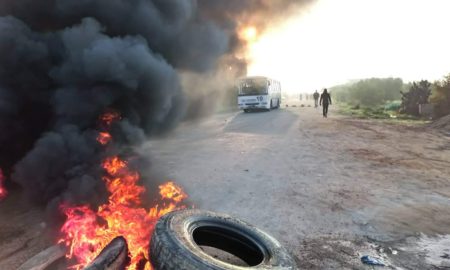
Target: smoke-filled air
x: 224, y: 134
x: 84, y: 83
x: 64, y: 63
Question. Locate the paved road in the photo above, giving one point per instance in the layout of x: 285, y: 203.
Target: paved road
x: 313, y: 182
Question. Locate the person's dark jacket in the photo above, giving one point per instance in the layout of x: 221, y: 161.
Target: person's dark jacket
x: 325, y: 98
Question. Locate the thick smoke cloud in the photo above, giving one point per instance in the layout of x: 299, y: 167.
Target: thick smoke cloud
x: 257, y: 13
x: 63, y: 63
x: 172, y: 28
x: 61, y: 83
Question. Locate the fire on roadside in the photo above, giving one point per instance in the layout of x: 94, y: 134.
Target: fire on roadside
x: 87, y: 231
x: 3, y: 191
x: 248, y: 33
x: 104, y: 138
x: 108, y: 118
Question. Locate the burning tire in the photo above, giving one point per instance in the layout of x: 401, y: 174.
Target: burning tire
x: 179, y: 237
x: 114, y: 256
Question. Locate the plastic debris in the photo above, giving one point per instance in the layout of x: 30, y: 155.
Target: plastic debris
x: 371, y: 260
x: 393, y: 251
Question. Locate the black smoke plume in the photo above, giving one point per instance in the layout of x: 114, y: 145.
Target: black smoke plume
x: 65, y: 62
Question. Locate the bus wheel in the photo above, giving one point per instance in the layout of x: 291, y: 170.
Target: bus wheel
x: 246, y: 110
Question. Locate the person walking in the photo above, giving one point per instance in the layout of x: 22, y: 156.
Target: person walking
x: 316, y: 99
x: 325, y: 100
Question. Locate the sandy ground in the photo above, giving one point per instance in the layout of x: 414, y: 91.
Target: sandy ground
x: 312, y: 182
x: 22, y: 232
x: 331, y: 190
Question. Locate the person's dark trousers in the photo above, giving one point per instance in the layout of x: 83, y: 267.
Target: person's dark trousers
x: 325, y: 109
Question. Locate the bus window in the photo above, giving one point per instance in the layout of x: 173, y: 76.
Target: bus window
x: 251, y: 87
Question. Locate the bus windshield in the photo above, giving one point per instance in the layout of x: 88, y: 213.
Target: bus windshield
x: 250, y: 87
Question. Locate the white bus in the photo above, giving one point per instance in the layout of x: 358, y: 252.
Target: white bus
x: 258, y: 93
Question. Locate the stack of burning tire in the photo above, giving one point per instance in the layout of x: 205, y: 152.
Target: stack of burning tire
x: 194, y: 239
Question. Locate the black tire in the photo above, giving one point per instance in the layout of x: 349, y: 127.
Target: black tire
x: 246, y: 110
x: 176, y: 241
x: 113, y: 256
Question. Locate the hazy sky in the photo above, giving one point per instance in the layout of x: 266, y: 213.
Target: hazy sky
x: 337, y: 41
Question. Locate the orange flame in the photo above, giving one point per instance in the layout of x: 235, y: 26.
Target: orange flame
x: 104, y: 138
x: 86, y: 231
x: 110, y: 117
x: 249, y: 34
x: 123, y: 215
x: 3, y: 191
x: 172, y: 192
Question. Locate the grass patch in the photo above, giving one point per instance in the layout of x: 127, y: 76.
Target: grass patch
x: 364, y: 112
x: 386, y: 112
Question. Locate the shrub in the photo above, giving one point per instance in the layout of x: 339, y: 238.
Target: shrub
x: 441, y: 97
x: 369, y: 92
x: 418, y: 93
x: 393, y: 105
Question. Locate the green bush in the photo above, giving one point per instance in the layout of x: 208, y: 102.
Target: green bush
x: 392, y: 105
x: 364, y: 112
x: 440, y: 97
x: 369, y: 92
x: 419, y: 93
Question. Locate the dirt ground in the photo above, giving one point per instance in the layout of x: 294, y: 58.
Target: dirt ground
x: 330, y: 190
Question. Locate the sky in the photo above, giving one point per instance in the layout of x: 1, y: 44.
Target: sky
x: 334, y: 42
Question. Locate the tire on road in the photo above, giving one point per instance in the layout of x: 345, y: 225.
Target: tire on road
x: 177, y: 238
